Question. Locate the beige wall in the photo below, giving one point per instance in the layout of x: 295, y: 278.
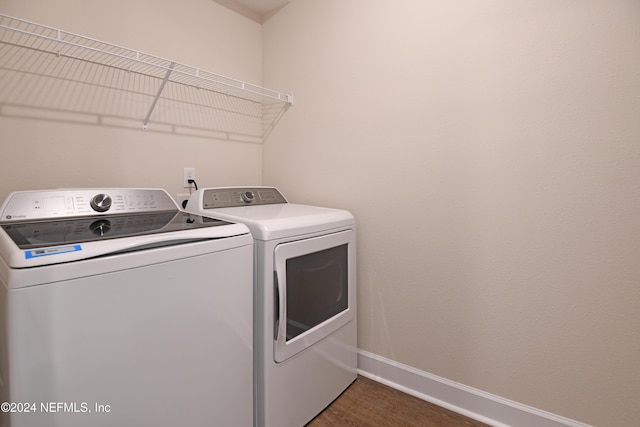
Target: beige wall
x: 491, y: 154
x: 37, y: 154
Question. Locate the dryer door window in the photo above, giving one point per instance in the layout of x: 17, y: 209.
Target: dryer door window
x: 317, y: 288
x: 315, y: 285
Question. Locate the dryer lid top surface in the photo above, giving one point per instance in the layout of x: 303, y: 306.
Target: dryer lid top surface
x: 268, y: 221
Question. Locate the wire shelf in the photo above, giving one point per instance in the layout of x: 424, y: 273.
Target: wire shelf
x: 49, y: 73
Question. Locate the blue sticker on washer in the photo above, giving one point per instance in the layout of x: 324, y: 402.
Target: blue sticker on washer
x: 51, y: 251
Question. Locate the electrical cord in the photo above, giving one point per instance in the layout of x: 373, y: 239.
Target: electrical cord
x: 189, y: 181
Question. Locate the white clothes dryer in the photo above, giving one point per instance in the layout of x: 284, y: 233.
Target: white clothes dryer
x: 305, y: 307
x: 118, y: 309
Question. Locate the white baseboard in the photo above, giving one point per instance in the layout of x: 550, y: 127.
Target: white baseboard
x: 468, y: 401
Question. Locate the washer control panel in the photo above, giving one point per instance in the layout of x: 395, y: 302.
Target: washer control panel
x: 215, y: 198
x: 46, y: 204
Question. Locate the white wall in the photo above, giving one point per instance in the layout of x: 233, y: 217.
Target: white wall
x: 490, y: 152
x: 36, y: 154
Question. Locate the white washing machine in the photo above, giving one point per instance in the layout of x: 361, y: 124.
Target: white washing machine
x: 118, y: 309
x: 305, y: 308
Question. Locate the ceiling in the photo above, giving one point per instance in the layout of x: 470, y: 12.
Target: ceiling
x: 256, y: 10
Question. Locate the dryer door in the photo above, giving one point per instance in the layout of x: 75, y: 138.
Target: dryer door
x: 314, y: 290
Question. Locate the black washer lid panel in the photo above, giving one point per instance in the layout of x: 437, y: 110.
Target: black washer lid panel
x: 38, y: 234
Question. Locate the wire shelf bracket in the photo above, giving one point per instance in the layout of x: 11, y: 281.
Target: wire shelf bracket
x: 155, y: 100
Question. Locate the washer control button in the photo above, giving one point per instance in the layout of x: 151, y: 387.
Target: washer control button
x: 248, y: 196
x: 101, y: 202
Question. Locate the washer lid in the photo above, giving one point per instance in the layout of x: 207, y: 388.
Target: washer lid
x: 31, y: 244
x: 56, y: 226
x: 43, y: 234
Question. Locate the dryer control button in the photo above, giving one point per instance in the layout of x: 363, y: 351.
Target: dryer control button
x: 101, y: 202
x: 248, y: 196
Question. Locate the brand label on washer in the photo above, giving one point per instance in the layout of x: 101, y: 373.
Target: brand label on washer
x: 51, y: 251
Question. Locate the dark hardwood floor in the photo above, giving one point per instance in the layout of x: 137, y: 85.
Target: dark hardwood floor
x: 369, y: 403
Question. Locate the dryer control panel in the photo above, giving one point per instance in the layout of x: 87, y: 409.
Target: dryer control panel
x: 215, y: 198
x: 47, y: 204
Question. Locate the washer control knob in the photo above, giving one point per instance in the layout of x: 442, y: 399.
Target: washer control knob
x: 101, y: 202
x: 248, y: 196
x: 100, y: 227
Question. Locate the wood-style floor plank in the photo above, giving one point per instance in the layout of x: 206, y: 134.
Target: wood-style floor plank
x: 369, y: 403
